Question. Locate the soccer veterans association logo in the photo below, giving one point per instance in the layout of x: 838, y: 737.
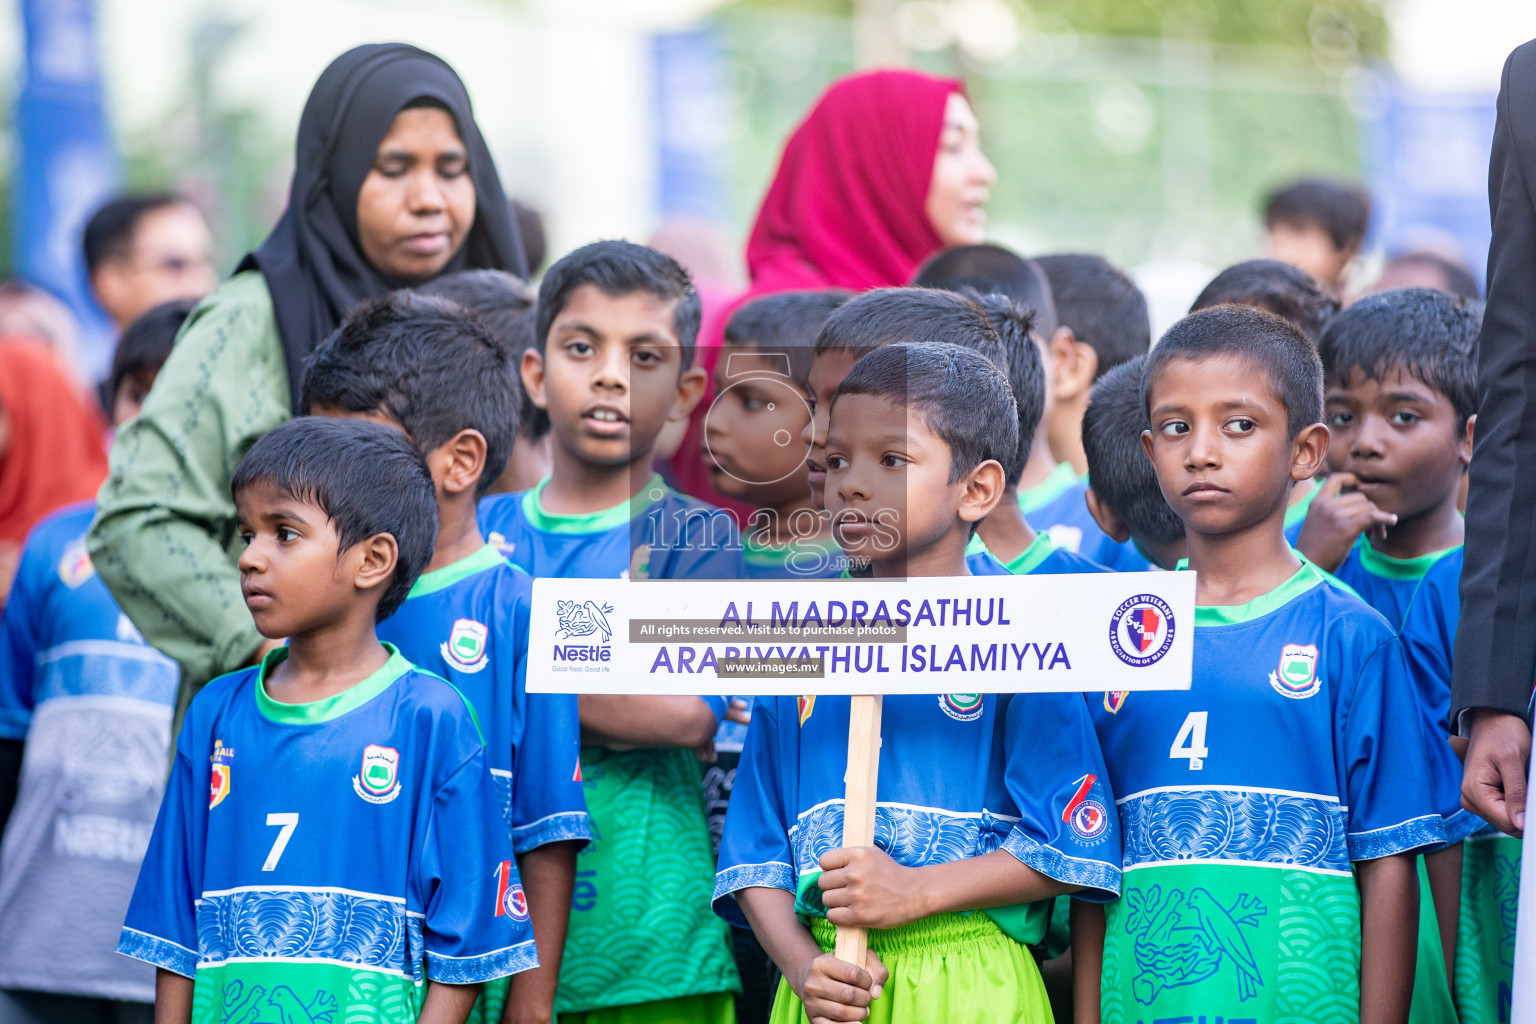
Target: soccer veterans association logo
x: 466, y: 648
x: 378, y: 780
x: 1297, y: 675
x: 511, y: 901
x: 1086, y: 817
x: 1141, y: 630
x: 962, y: 707
x: 75, y: 567
x: 218, y: 779
x: 1114, y: 700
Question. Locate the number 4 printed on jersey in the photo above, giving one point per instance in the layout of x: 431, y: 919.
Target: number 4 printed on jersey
x: 1190, y: 742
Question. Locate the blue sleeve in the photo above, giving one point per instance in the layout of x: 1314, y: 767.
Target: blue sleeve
x: 161, y: 925
x: 1388, y: 778
x: 19, y: 639
x: 1428, y: 633
x: 1068, y: 828
x: 476, y: 926
x: 708, y: 546
x: 754, y: 849
x: 548, y: 805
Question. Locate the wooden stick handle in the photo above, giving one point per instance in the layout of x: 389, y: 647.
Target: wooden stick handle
x: 859, y: 803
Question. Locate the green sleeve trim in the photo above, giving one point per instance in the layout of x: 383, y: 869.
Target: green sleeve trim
x: 1296, y: 512
x: 590, y: 522
x: 470, y: 565
x: 1041, y: 548
x: 1048, y: 490
x: 327, y: 708
x: 1387, y: 567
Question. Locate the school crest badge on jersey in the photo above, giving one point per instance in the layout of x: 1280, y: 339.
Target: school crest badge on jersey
x: 1297, y: 675
x: 465, y: 648
x: 962, y: 707
x: 378, y: 780
x: 75, y: 567
x: 1114, y: 700
x: 806, y: 706
x: 218, y: 777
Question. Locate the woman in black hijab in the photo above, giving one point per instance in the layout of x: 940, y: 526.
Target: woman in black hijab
x: 392, y: 186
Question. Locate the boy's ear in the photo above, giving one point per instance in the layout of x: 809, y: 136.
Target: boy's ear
x: 983, y: 490
x: 1308, y: 452
x: 1076, y: 364
x: 459, y: 462
x: 533, y: 377
x: 374, y: 559
x: 1105, y: 517
x: 1464, y: 446
x: 690, y: 391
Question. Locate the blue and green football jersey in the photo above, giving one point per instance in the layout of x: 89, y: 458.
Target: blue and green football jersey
x: 1490, y: 860
x: 321, y: 861
x: 468, y: 622
x: 1385, y: 583
x: 1056, y: 506
x: 1245, y: 800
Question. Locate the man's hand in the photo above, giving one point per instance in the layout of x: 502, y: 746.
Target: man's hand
x: 863, y: 887
x: 1494, y: 778
x: 1336, y: 519
x: 834, y: 991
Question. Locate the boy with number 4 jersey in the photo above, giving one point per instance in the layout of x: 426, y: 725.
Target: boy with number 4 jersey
x: 425, y: 366
x: 330, y: 845
x: 985, y: 804
x: 1292, y: 770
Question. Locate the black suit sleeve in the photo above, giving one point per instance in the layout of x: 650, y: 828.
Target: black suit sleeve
x: 1495, y: 658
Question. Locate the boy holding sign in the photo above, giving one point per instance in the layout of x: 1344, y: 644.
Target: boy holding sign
x: 984, y: 802
x: 1294, y: 768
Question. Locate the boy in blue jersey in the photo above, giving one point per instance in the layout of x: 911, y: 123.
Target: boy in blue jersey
x: 428, y: 367
x: 616, y: 327
x: 330, y: 844
x: 85, y: 715
x: 978, y: 808
x: 1124, y: 497
x: 1293, y: 770
x: 1048, y: 491
x: 1490, y: 869
x: 752, y: 435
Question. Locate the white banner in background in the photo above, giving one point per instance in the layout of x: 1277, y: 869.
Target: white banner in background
x: 965, y: 634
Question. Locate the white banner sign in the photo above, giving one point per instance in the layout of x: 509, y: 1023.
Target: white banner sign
x: 966, y: 634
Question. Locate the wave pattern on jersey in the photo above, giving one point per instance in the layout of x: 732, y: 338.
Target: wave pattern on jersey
x: 913, y: 836
x: 1262, y: 828
x: 1317, y: 972
x: 303, y: 925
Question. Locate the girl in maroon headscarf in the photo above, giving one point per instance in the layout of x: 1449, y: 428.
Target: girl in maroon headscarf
x: 883, y: 172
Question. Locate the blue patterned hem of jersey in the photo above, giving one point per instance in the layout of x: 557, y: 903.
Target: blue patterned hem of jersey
x: 555, y: 828
x: 471, y: 970
x: 913, y: 836
x: 1279, y: 829
x: 1461, y: 825
x: 351, y: 928
x: 772, y: 875
x: 1415, y: 834
x: 161, y: 952
x: 1101, y: 877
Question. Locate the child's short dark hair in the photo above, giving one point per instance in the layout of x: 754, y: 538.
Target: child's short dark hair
x: 367, y: 479
x: 1273, y: 344
x: 1421, y: 331
x: 986, y: 269
x: 1025, y: 370
x: 787, y: 322
x: 1101, y: 304
x: 1282, y: 289
x: 504, y: 302
x: 1341, y: 211
x: 1118, y: 468
x: 146, y: 343
x: 903, y: 316
x: 619, y: 268
x: 960, y: 393
x: 1458, y: 279
x: 428, y: 363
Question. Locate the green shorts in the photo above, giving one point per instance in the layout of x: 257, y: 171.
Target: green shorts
x: 710, y: 1008
x: 960, y: 970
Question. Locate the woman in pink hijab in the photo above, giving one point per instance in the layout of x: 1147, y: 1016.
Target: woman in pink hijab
x: 885, y: 170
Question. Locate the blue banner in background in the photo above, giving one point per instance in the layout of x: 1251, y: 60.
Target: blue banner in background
x: 67, y: 163
x: 1427, y: 160
x: 693, y: 119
